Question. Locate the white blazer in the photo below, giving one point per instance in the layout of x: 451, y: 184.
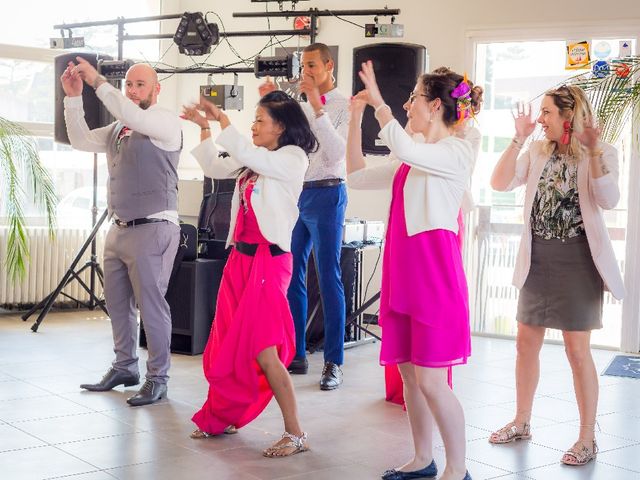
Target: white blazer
x: 595, y: 194
x: 436, y: 182
x: 279, y: 184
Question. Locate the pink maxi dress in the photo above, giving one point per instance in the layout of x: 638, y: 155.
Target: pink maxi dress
x: 424, y: 306
x: 252, y: 314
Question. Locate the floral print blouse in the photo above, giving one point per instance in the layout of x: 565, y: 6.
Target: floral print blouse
x: 556, y: 209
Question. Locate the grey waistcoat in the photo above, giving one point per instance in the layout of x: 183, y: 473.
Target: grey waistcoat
x: 143, y: 178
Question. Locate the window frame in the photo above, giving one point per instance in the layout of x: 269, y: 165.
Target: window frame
x: 630, y: 329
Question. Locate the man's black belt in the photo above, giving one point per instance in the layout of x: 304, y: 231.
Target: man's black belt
x: 327, y: 182
x: 137, y: 221
x: 251, y: 249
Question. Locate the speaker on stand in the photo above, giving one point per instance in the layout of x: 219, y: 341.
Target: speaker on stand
x: 397, y: 67
x: 96, y: 115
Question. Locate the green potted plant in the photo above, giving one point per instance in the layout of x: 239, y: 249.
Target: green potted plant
x: 20, y: 167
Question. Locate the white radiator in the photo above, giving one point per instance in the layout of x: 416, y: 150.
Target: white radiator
x: 49, y: 260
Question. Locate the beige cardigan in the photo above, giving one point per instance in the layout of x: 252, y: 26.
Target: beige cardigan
x: 602, y: 193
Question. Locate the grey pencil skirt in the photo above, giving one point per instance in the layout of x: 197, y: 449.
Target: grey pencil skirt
x: 563, y: 289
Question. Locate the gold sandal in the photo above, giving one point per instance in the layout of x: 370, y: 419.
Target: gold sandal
x: 510, y: 433
x: 298, y: 444
x: 579, y: 454
x: 200, y: 434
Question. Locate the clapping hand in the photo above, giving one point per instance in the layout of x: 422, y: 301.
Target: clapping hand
x: 191, y: 113
x: 266, y: 87
x: 308, y: 86
x: 358, y: 103
x: 525, y: 125
x: 368, y: 77
x: 590, y: 135
x: 71, y: 81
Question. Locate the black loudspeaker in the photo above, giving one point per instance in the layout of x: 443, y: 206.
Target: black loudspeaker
x: 397, y: 67
x: 94, y: 112
x: 192, y: 298
x: 315, y: 315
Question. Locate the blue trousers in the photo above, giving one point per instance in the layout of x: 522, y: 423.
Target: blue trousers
x: 319, y: 225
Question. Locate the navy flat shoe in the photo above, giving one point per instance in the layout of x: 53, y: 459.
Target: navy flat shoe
x: 430, y: 471
x: 467, y: 476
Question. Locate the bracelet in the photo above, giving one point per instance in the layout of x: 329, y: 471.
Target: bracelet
x: 380, y: 107
x: 202, y: 129
x: 517, y: 143
x: 320, y: 112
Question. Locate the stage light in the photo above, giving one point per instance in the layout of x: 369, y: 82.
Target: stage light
x: 194, y: 36
x: 66, y: 42
x: 287, y: 66
x: 227, y: 97
x: 114, y: 69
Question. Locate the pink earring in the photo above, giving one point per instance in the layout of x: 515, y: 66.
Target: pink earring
x: 566, y: 134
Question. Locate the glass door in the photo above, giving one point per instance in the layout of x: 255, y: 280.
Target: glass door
x: 511, y: 72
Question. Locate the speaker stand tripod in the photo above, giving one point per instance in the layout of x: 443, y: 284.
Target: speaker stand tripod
x: 71, y: 274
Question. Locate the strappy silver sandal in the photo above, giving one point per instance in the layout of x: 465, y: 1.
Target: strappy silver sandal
x: 200, y: 434
x: 298, y: 444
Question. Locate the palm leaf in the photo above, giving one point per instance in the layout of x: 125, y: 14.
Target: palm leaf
x: 614, y: 99
x: 19, y: 162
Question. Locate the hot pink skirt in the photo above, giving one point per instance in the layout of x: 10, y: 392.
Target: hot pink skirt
x: 252, y: 314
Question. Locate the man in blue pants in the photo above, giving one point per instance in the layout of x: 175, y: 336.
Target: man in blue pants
x: 322, y: 207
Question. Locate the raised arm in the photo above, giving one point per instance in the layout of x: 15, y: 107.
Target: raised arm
x: 206, y: 152
x: 156, y: 123
x: 80, y: 136
x: 505, y: 170
x: 355, y: 157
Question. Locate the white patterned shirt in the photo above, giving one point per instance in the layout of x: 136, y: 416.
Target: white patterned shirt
x: 331, y: 131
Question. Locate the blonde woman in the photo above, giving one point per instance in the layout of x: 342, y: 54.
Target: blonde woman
x: 566, y: 259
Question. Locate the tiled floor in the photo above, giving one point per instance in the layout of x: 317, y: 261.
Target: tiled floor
x: 49, y: 428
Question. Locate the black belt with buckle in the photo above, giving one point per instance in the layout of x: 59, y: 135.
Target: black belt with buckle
x: 327, y: 182
x: 137, y: 221
x: 251, y: 249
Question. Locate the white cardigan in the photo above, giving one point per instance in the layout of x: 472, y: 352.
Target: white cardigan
x: 279, y: 184
x: 596, y: 194
x: 436, y: 182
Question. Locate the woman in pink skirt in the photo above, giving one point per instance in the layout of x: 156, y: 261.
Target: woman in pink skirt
x: 424, y: 311
x: 252, y: 339
x: 467, y: 130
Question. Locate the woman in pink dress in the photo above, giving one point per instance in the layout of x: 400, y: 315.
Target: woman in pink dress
x: 424, y: 311
x: 467, y: 130
x: 252, y: 338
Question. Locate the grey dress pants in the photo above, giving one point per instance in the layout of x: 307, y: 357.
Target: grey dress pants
x: 137, y: 265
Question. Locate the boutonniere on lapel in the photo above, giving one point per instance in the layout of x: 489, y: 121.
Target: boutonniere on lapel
x: 124, y: 133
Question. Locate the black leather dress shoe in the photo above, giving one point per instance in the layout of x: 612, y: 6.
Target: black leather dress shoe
x: 331, y: 376
x: 299, y: 366
x: 150, y: 393
x: 430, y: 471
x: 111, y: 379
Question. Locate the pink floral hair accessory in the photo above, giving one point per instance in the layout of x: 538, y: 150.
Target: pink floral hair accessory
x: 462, y: 94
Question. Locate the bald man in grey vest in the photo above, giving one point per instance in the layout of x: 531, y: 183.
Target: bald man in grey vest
x: 143, y: 147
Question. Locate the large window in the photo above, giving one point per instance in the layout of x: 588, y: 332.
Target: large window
x: 512, y: 72
x: 27, y: 82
